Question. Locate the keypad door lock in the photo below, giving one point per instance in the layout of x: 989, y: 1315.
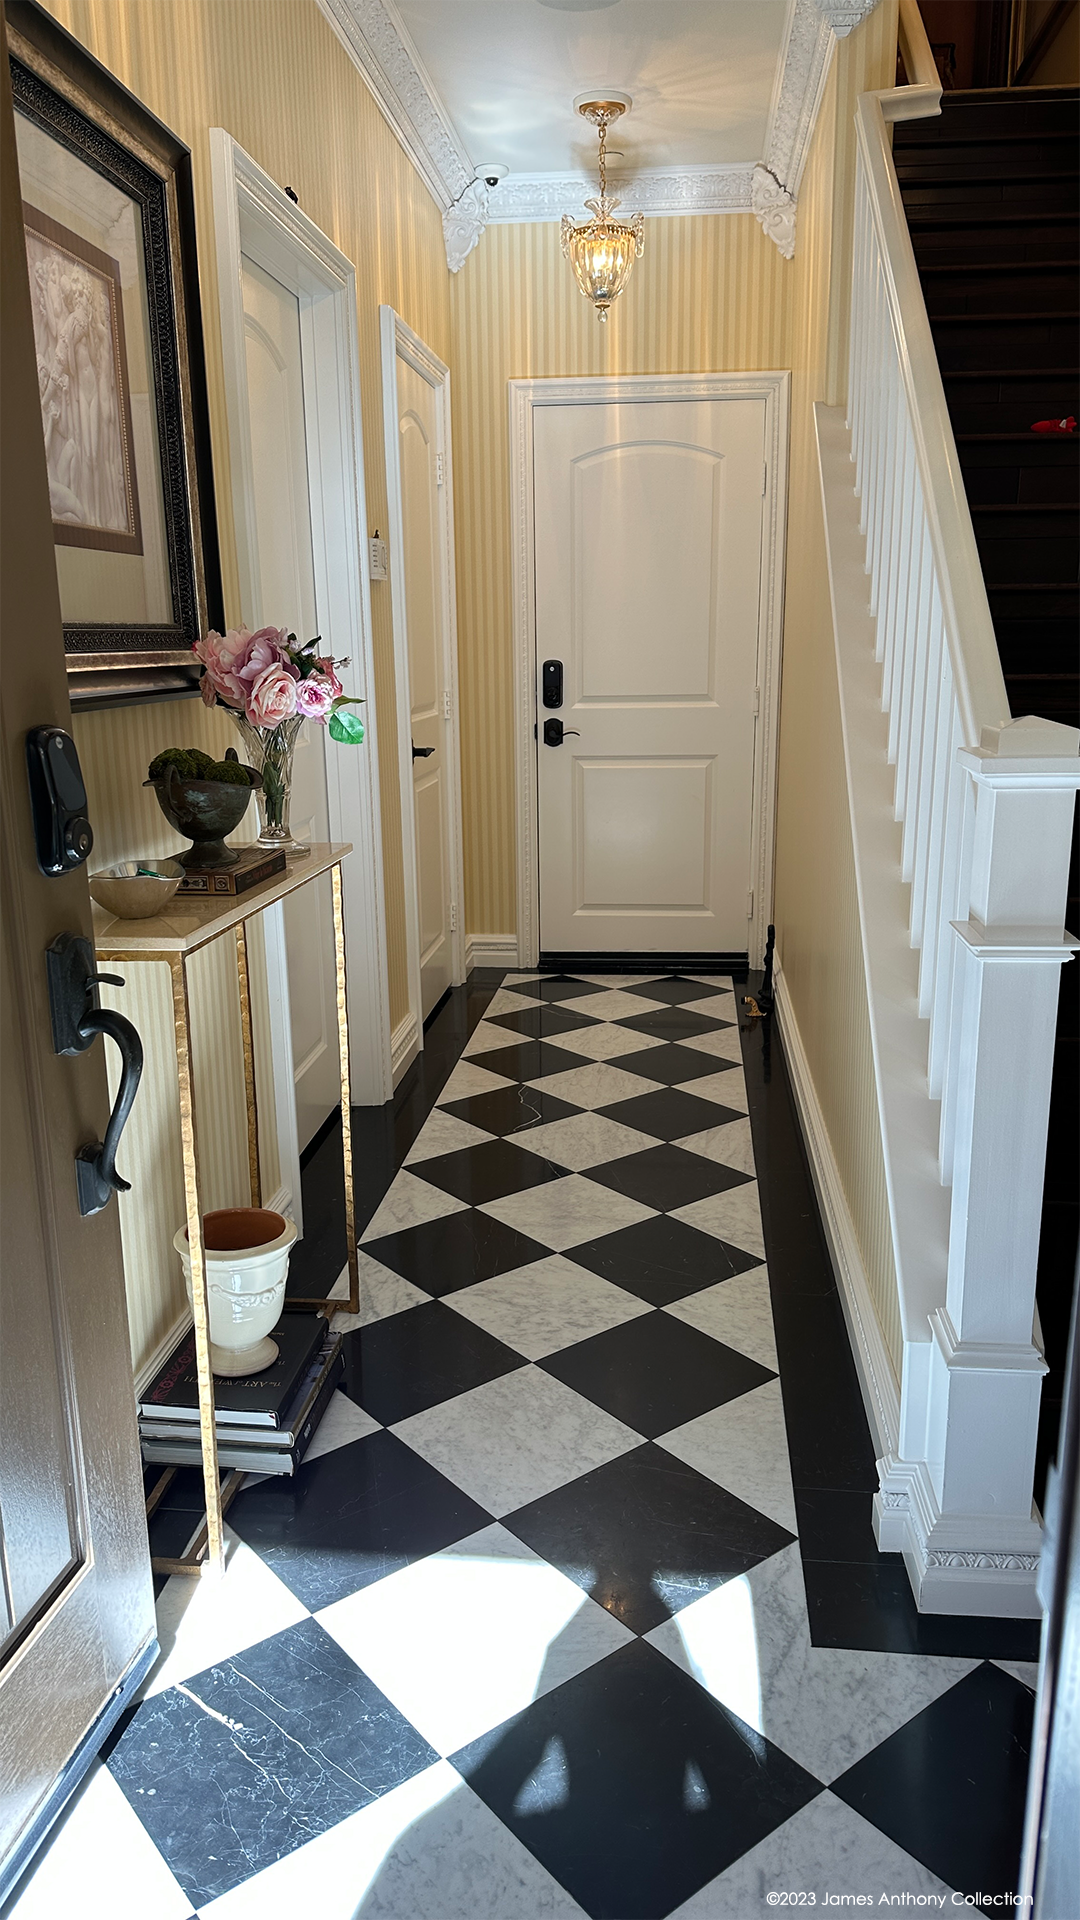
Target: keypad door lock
x: 551, y: 681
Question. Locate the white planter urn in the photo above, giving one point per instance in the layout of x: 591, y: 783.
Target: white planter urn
x: 247, y: 1262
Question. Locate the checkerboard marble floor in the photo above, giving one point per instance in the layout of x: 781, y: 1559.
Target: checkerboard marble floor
x: 527, y: 1637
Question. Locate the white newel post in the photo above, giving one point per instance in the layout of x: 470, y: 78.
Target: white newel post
x: 979, y: 1545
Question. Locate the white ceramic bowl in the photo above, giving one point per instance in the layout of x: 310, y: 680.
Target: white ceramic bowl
x: 247, y: 1263
x: 135, y: 889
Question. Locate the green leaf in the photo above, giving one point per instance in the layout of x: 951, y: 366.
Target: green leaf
x: 345, y: 726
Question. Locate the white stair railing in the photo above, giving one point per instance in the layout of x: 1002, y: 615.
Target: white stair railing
x: 964, y: 1044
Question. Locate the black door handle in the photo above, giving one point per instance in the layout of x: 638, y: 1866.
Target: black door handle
x: 422, y: 753
x: 555, y: 733
x: 77, y: 1019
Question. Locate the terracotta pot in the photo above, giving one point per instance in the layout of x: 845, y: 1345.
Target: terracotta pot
x: 247, y: 1263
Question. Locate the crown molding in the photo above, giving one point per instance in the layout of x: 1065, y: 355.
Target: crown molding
x: 374, y: 34
x: 813, y: 27
x: 658, y: 190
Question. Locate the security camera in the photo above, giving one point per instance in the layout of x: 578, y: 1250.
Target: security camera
x: 491, y: 172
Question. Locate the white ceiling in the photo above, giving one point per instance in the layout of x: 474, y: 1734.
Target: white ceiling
x: 701, y: 73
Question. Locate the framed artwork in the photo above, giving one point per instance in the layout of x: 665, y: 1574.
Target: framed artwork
x: 108, y: 215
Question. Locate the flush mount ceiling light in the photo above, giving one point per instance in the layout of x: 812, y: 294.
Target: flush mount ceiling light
x: 602, y: 251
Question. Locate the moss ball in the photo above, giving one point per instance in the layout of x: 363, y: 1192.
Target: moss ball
x: 178, y: 757
x: 228, y: 770
x: 203, y: 762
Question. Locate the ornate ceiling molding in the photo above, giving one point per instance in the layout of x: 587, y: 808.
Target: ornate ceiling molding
x: 660, y: 190
x: 374, y: 34
x: 813, y: 27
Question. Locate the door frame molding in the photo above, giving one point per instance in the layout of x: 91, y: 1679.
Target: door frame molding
x: 399, y: 342
x: 525, y: 396
x: 253, y: 215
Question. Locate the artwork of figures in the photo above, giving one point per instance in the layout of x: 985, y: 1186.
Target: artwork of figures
x: 83, y: 382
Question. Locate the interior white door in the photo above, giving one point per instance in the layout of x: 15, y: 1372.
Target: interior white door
x: 426, y: 617
x: 285, y: 577
x: 648, y: 544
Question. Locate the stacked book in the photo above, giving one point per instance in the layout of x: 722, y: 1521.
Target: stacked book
x: 266, y: 1421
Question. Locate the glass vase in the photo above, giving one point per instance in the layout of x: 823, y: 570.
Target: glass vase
x: 270, y: 751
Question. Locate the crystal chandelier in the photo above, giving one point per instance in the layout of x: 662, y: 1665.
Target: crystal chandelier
x: 602, y: 251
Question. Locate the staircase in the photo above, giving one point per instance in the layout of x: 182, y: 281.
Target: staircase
x: 991, y: 190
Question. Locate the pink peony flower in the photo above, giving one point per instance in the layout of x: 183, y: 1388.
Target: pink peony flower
x: 224, y: 656
x: 315, y: 696
x: 273, y: 697
x: 265, y: 649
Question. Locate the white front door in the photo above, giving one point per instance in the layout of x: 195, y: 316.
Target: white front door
x: 285, y: 578
x: 424, y: 560
x: 648, y: 544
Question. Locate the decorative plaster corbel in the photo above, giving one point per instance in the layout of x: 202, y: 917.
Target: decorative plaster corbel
x: 843, y: 15
x: 463, y: 224
x: 774, y: 208
x: 813, y: 26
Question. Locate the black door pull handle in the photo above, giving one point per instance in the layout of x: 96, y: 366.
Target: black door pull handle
x: 422, y: 753
x: 555, y: 733
x: 77, y: 1019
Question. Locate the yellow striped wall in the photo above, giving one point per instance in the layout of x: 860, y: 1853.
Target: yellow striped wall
x: 709, y: 295
x: 816, y: 910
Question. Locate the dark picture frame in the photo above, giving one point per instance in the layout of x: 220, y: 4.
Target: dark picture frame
x: 72, y: 101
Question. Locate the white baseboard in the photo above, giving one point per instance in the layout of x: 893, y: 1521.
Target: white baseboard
x: 873, y: 1362
x: 404, y: 1046
x: 491, y: 950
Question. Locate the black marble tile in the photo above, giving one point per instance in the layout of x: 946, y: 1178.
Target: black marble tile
x: 949, y: 1786
x: 670, y: 1114
x: 530, y: 1060
x: 646, y: 1535
x: 673, y: 1023
x: 663, y: 1260
x: 552, y: 986
x: 536, y: 1023
x: 673, y: 1065
x: 488, y: 1171
x: 258, y: 1755
x: 442, y: 1255
x: 509, y: 1110
x: 655, y: 1373
x: 347, y: 1519
x: 414, y: 1360
x: 837, y: 1526
x: 633, y: 1787
x: 676, y: 990
x: 855, y: 1604
x: 665, y: 1177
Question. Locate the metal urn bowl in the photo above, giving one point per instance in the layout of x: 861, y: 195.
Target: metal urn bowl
x: 204, y: 811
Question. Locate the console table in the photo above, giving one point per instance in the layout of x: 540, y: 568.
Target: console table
x: 190, y: 923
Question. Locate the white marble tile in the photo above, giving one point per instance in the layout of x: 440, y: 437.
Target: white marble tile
x: 1026, y: 1671
x: 720, y: 1005
x: 615, y: 1003
x: 738, y: 1312
x: 731, y: 1145
x: 564, y: 1213
x: 409, y: 1203
x: 486, y: 1036
x: 516, y: 1438
x: 584, y: 1140
x: 99, y: 1863
x: 429, y: 1848
x: 202, y: 1621
x: 444, y: 1133
x: 733, y: 1216
x: 620, y: 982
x: 720, y: 980
x: 597, y: 1086
x: 727, y: 1089
x: 603, y: 1042
x: 748, y: 1644
x: 724, y: 1044
x: 503, y: 1001
x: 468, y: 1079
x: 461, y: 1640
x: 541, y: 1308
x: 743, y: 1447
x: 382, y: 1292
x: 341, y: 1424
x: 825, y: 1848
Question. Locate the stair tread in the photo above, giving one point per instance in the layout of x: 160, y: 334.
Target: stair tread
x: 1029, y: 438
x: 1006, y: 318
x: 1009, y: 373
x: 1024, y: 506
x: 991, y: 217
x: 999, y: 266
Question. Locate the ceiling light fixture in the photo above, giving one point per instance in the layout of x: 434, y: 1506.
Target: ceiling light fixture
x: 602, y: 251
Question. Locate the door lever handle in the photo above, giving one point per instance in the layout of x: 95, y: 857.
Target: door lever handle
x: 77, y: 1019
x: 422, y: 753
x: 555, y: 733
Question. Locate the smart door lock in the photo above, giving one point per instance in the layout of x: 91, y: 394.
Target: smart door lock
x: 551, y: 682
x: 62, y: 833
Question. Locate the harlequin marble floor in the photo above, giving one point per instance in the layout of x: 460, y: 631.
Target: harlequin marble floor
x: 574, y: 1607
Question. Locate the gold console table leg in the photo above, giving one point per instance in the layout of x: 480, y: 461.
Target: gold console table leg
x: 248, y: 1034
